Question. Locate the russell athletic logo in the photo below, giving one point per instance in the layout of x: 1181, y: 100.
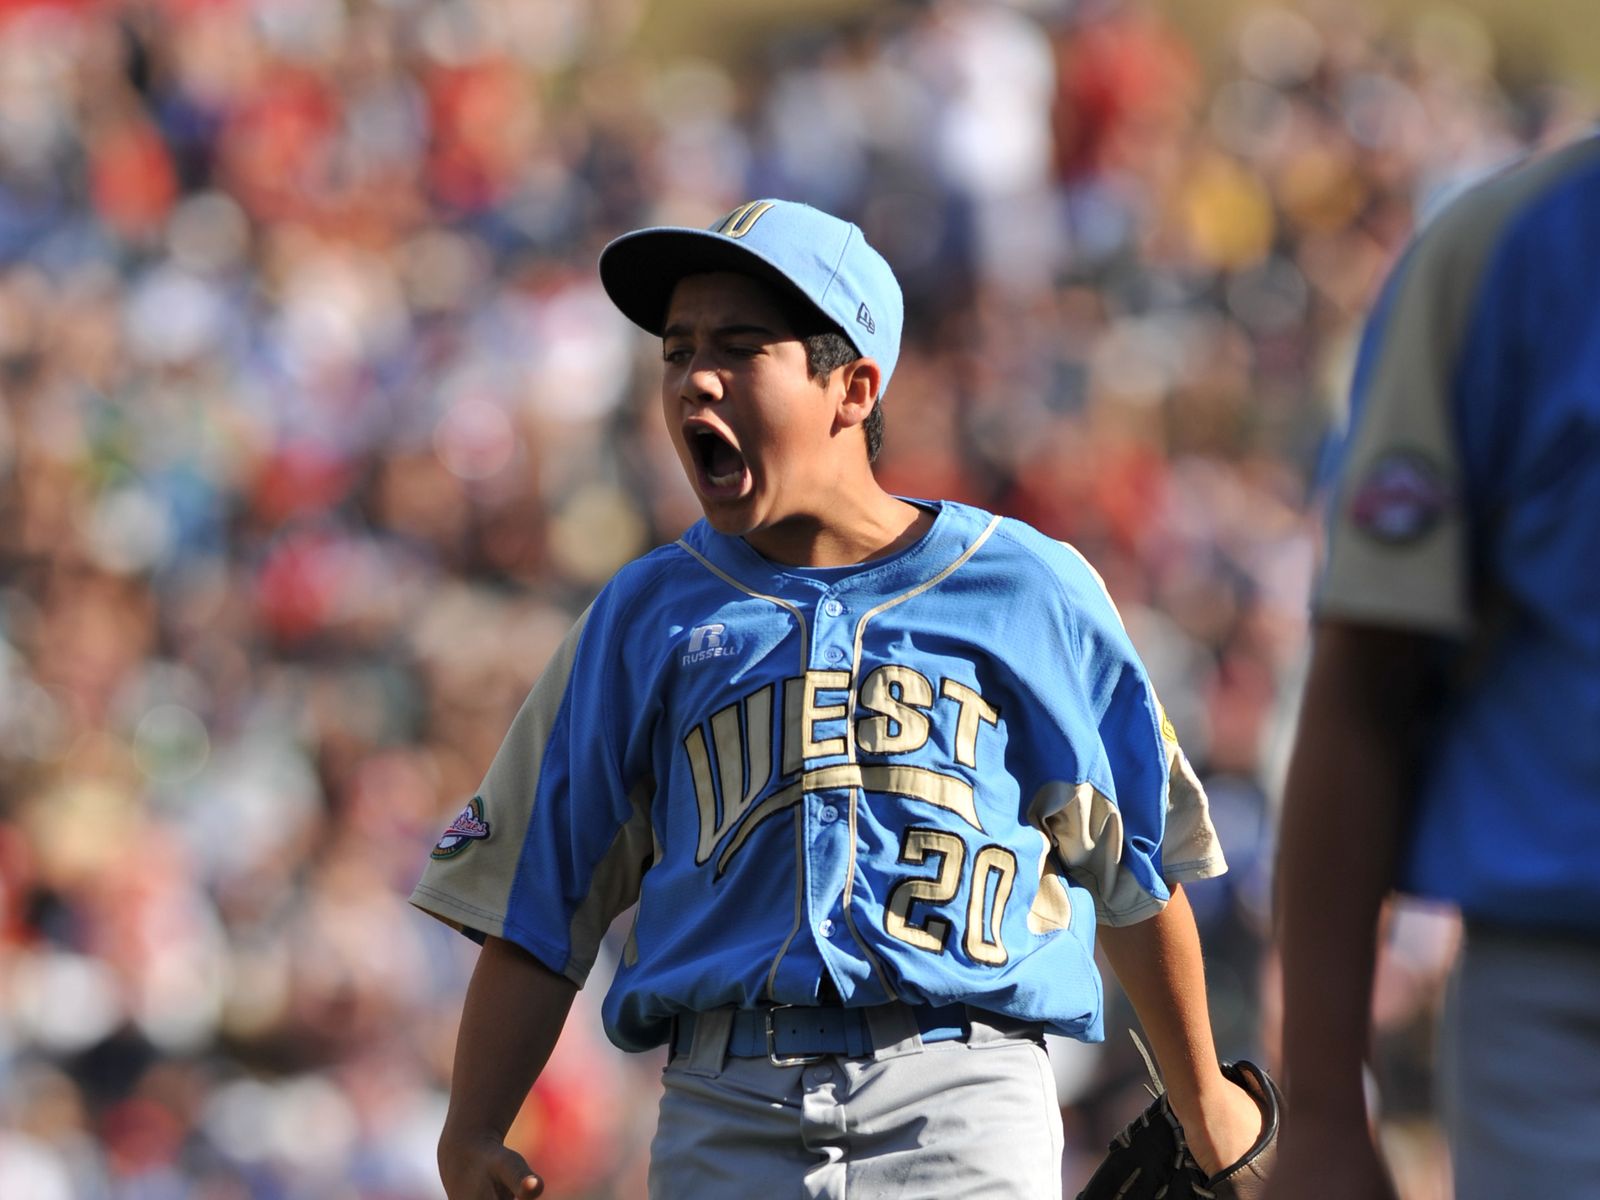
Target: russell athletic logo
x: 468, y: 827
x: 707, y: 641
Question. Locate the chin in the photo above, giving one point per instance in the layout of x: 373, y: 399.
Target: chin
x: 726, y: 519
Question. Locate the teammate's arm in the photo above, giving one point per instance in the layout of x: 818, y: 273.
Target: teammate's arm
x: 512, y: 1016
x: 1157, y: 961
x: 1344, y: 805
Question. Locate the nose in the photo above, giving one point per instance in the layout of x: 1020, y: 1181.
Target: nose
x: 701, y: 381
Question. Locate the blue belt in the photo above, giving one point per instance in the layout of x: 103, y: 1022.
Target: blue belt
x: 800, y: 1033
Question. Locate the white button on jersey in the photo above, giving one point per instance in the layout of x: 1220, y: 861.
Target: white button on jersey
x: 828, y: 815
x: 833, y: 608
x: 825, y: 927
x: 834, y: 654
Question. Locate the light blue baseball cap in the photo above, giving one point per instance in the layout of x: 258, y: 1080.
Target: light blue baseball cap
x: 793, y: 246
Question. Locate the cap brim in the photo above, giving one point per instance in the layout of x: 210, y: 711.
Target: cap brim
x: 640, y: 270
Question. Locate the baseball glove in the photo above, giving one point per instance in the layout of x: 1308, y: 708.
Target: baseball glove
x: 1150, y: 1159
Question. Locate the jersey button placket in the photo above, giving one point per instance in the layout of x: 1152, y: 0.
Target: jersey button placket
x: 827, y: 809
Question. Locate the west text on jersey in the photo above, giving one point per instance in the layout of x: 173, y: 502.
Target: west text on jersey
x: 896, y: 712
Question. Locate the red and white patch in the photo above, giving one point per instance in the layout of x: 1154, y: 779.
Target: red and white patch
x: 1401, y: 498
x: 468, y: 827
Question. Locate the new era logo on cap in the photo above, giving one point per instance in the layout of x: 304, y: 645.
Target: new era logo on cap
x: 787, y: 244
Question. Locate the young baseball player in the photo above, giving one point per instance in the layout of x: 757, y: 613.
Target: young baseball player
x: 1447, y: 743
x: 873, y: 768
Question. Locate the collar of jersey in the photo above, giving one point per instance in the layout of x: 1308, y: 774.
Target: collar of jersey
x: 953, y: 529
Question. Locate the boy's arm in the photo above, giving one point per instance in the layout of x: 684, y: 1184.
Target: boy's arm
x: 513, y: 1014
x: 1157, y: 962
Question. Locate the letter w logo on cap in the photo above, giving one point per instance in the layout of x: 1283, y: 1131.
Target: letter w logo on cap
x: 742, y: 219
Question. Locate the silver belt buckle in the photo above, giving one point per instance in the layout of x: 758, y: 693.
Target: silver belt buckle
x: 793, y: 1060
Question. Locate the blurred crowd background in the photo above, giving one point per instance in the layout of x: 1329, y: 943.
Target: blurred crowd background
x: 316, y: 431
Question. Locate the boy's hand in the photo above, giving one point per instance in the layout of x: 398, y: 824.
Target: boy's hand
x: 1224, y: 1128
x: 486, y: 1169
x: 1155, y: 1159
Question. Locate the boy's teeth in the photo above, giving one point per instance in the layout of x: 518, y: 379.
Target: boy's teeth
x: 725, y: 480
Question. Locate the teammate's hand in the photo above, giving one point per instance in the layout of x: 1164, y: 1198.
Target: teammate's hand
x: 1323, y: 1161
x: 486, y: 1169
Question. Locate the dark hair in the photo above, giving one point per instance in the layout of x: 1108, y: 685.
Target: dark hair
x: 826, y: 352
x: 827, y: 349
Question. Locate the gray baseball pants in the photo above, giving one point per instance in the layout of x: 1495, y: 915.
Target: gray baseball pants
x: 976, y: 1118
x: 1520, y: 1066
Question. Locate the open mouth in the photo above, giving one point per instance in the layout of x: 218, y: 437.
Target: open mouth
x: 721, y: 465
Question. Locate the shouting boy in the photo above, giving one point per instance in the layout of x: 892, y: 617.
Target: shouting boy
x: 873, y: 769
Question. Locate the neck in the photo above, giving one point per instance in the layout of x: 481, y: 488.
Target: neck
x: 852, y: 530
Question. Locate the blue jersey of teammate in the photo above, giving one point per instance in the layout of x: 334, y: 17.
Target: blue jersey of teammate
x: 921, y: 778
x: 1468, y: 509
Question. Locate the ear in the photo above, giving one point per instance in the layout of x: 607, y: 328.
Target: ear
x: 858, y: 382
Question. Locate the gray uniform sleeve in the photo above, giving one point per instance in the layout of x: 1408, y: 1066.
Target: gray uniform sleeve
x: 1399, y: 538
x: 467, y: 881
x: 554, y: 844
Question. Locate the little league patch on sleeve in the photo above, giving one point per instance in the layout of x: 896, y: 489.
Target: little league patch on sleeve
x: 468, y: 827
x: 1400, y: 498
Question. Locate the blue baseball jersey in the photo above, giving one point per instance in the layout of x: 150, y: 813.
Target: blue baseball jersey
x: 922, y: 778
x: 1469, y: 506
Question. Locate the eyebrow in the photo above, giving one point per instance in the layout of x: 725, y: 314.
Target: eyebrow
x: 734, y: 330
